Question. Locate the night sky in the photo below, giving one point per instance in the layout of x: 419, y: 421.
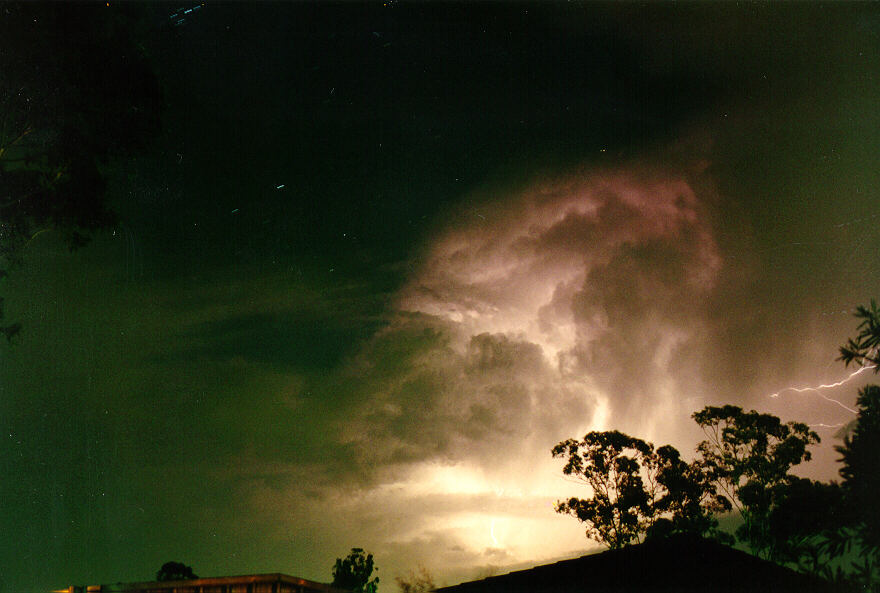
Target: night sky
x: 381, y: 257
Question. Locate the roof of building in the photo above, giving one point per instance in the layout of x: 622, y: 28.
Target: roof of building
x: 680, y: 564
x: 253, y: 583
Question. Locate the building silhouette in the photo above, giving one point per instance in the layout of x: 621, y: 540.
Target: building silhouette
x: 255, y: 583
x: 680, y: 564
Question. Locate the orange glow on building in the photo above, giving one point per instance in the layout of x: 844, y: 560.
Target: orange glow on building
x: 257, y: 583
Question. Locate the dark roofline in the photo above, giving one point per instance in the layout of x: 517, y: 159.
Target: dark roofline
x: 273, y: 577
x: 681, y: 563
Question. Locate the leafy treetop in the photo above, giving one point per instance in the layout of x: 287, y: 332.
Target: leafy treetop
x: 863, y: 349
x: 860, y: 457
x: 748, y: 456
x: 175, y: 571
x: 353, y: 572
x: 635, y: 489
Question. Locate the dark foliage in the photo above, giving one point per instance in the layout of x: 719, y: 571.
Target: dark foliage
x: 748, y: 456
x: 635, y: 489
x: 175, y: 571
x: 75, y: 89
x: 863, y: 349
x: 860, y: 471
x: 354, y: 571
x: 805, y: 513
x: 690, y: 500
x: 611, y: 464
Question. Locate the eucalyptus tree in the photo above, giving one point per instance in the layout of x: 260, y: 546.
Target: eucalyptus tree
x: 749, y: 456
x: 354, y: 572
x: 635, y: 490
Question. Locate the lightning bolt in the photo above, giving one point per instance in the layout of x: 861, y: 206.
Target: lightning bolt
x: 817, y: 388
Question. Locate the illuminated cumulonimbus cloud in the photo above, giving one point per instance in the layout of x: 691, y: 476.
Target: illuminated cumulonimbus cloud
x: 575, y: 303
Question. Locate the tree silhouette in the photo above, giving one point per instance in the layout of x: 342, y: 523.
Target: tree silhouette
x: 690, y: 501
x: 805, y: 513
x: 76, y: 88
x: 175, y: 571
x: 860, y: 457
x: 611, y: 464
x: 862, y: 349
x: 635, y: 489
x: 748, y: 456
x: 353, y: 572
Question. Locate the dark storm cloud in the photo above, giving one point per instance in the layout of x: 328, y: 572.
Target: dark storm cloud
x: 600, y: 269
x: 487, y: 353
x: 513, y: 333
x: 298, y: 340
x: 631, y: 307
x: 419, y: 399
x: 142, y: 436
